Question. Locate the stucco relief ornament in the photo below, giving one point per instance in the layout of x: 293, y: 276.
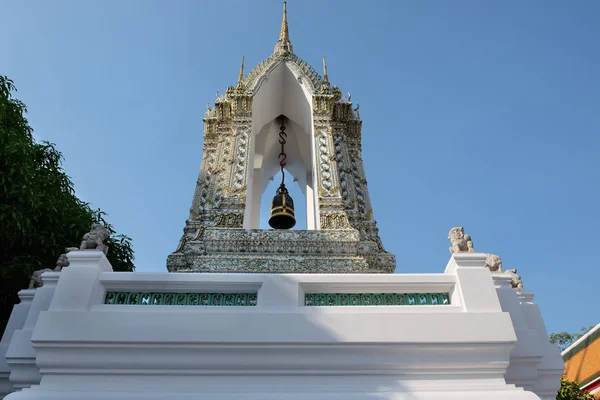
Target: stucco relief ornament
x: 461, y: 242
x: 94, y: 239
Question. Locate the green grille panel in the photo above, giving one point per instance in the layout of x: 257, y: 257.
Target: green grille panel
x: 376, y: 299
x: 181, y: 299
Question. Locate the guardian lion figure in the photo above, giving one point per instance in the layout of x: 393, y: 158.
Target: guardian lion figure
x: 493, y: 262
x: 516, y: 282
x: 461, y: 242
x: 63, y: 261
x: 36, y: 278
x: 93, y: 240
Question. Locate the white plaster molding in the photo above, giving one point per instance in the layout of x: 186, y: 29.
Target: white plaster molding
x: 20, y: 355
x: 525, y: 297
x: 90, y: 258
x: 551, y: 367
x: 183, y: 283
x: 476, y: 291
x: 465, y: 260
x: 15, y: 322
x: 535, y: 363
x: 501, y: 280
x: 277, y: 349
x: 82, y: 287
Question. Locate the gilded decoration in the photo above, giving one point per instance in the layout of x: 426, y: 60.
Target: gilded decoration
x: 254, y: 79
x: 245, y: 263
x: 214, y: 238
x: 326, y: 174
x: 334, y: 221
x: 230, y: 220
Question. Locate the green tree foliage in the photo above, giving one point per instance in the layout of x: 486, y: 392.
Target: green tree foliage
x: 39, y: 212
x: 570, y: 390
x: 565, y: 339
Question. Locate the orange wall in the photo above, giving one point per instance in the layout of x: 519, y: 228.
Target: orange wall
x: 584, y: 363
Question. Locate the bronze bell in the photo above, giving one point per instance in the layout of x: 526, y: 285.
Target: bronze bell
x: 282, y: 210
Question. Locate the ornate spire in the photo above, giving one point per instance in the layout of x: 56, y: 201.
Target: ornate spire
x: 325, y: 76
x: 241, y: 76
x: 284, y: 45
x: 284, y: 35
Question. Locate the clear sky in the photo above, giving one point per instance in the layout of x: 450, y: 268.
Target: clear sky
x: 484, y: 114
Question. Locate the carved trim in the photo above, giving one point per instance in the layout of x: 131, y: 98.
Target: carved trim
x: 260, y: 72
x: 181, y: 299
x: 230, y: 220
x: 377, y: 299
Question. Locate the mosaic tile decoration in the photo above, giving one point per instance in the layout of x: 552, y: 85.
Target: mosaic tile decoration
x: 376, y: 299
x: 181, y: 299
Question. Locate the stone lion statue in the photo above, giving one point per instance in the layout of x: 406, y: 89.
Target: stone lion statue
x: 63, y: 261
x: 461, y: 242
x: 36, y: 278
x: 516, y: 282
x: 93, y: 240
x: 493, y: 262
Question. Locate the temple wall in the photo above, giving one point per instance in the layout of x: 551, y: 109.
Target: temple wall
x: 15, y: 323
x: 400, y: 336
x: 535, y: 363
x: 582, y: 361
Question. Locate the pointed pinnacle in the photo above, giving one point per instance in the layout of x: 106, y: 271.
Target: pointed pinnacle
x: 284, y: 45
x: 241, y: 76
x: 284, y: 34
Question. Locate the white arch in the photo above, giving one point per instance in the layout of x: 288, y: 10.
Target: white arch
x: 283, y: 91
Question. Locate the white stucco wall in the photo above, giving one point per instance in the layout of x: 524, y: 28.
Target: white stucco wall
x: 280, y: 348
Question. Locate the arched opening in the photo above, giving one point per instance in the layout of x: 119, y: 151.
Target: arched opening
x: 295, y: 192
x: 281, y: 93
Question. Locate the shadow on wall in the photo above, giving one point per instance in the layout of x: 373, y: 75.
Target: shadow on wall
x: 266, y: 352
x: 276, y: 349
x: 302, y: 354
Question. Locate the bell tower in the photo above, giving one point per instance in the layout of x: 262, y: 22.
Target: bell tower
x: 241, y: 155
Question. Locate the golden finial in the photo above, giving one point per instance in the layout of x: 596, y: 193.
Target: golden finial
x: 284, y: 44
x: 284, y: 35
x: 241, y: 77
x: 325, y: 76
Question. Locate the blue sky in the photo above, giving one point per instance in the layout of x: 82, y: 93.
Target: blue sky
x: 481, y: 114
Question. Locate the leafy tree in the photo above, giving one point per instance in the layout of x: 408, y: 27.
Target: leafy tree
x: 39, y: 212
x: 570, y: 390
x: 565, y: 339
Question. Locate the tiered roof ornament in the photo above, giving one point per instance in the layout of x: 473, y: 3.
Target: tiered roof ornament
x: 221, y: 233
x: 240, y: 82
x: 325, y: 76
x: 283, y: 51
x: 283, y: 45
